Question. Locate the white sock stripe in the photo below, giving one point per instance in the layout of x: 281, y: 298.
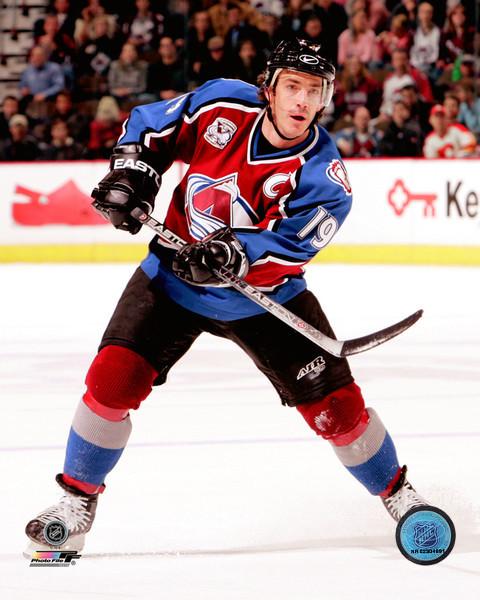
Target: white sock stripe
x: 366, y: 445
x: 94, y: 429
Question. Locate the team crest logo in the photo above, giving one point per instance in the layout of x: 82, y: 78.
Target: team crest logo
x: 337, y: 173
x: 272, y: 185
x: 211, y: 204
x: 220, y: 132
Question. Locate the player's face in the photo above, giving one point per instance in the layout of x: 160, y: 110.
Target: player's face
x: 295, y: 101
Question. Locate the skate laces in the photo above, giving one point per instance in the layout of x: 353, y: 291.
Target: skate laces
x: 72, y: 510
x: 403, y: 500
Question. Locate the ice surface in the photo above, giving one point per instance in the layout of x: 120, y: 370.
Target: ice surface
x: 222, y: 492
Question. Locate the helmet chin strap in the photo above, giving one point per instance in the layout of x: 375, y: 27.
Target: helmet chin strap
x: 277, y: 130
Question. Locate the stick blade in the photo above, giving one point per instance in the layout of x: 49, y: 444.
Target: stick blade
x: 366, y: 342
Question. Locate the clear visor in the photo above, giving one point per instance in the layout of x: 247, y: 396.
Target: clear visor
x: 319, y: 94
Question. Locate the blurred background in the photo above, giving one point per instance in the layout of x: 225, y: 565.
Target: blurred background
x: 71, y: 71
x: 406, y: 90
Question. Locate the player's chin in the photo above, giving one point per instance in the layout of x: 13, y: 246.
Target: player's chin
x: 298, y: 123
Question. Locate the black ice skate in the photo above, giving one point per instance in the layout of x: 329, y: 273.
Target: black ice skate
x: 403, y: 498
x: 75, y: 509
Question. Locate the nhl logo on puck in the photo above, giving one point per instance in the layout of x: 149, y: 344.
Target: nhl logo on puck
x: 55, y: 533
x: 425, y: 535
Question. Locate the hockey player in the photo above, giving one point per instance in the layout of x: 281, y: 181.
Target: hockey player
x: 265, y: 190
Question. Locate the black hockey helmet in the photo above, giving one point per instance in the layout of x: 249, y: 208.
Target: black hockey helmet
x: 303, y: 56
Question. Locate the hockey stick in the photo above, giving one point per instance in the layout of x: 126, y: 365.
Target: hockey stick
x: 337, y: 348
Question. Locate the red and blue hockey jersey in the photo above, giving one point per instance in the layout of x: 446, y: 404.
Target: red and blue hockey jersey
x: 284, y: 206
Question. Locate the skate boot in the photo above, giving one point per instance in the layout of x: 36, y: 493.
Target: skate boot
x: 64, y: 524
x: 403, y: 498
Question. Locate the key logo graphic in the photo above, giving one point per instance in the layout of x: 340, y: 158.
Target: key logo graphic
x: 399, y: 197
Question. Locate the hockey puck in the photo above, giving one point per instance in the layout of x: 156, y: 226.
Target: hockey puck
x: 425, y: 535
x: 55, y: 533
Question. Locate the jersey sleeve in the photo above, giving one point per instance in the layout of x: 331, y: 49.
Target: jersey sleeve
x: 300, y: 225
x: 169, y: 128
x: 162, y: 127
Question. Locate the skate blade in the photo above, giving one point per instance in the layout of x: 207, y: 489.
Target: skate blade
x: 75, y: 543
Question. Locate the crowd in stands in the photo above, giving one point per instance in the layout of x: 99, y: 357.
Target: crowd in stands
x: 407, y: 71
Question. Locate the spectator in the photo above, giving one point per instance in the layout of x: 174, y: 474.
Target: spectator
x: 105, y: 129
x: 238, y: 30
x: 10, y: 107
x: 399, y: 139
x: 250, y: 64
x: 457, y: 38
x: 403, y: 74
x: 293, y: 18
x: 219, y: 14
x: 166, y: 76
x: 378, y: 15
x: 356, y: 88
x: 62, y: 145
x: 313, y: 29
x: 145, y: 28
x: 217, y: 64
x: 358, y: 40
x: 425, y: 50
x: 398, y: 37
x: 20, y: 145
x: 451, y: 104
x: 447, y: 140
x: 334, y: 20
x: 469, y: 113
x: 419, y: 110
x: 85, y: 26
x: 409, y: 9
x: 198, y: 35
x: 58, y: 46
x: 268, y: 35
x: 127, y: 77
x: 359, y: 141
x: 77, y: 121
x: 177, y: 21
x: 97, y: 53
x: 62, y: 10
x: 41, y: 79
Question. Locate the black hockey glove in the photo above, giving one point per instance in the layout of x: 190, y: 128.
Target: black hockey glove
x: 131, y: 183
x: 194, y: 263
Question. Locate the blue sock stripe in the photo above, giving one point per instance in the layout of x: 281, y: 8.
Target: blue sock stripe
x: 366, y: 445
x: 377, y: 472
x: 99, y: 431
x: 88, y: 462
